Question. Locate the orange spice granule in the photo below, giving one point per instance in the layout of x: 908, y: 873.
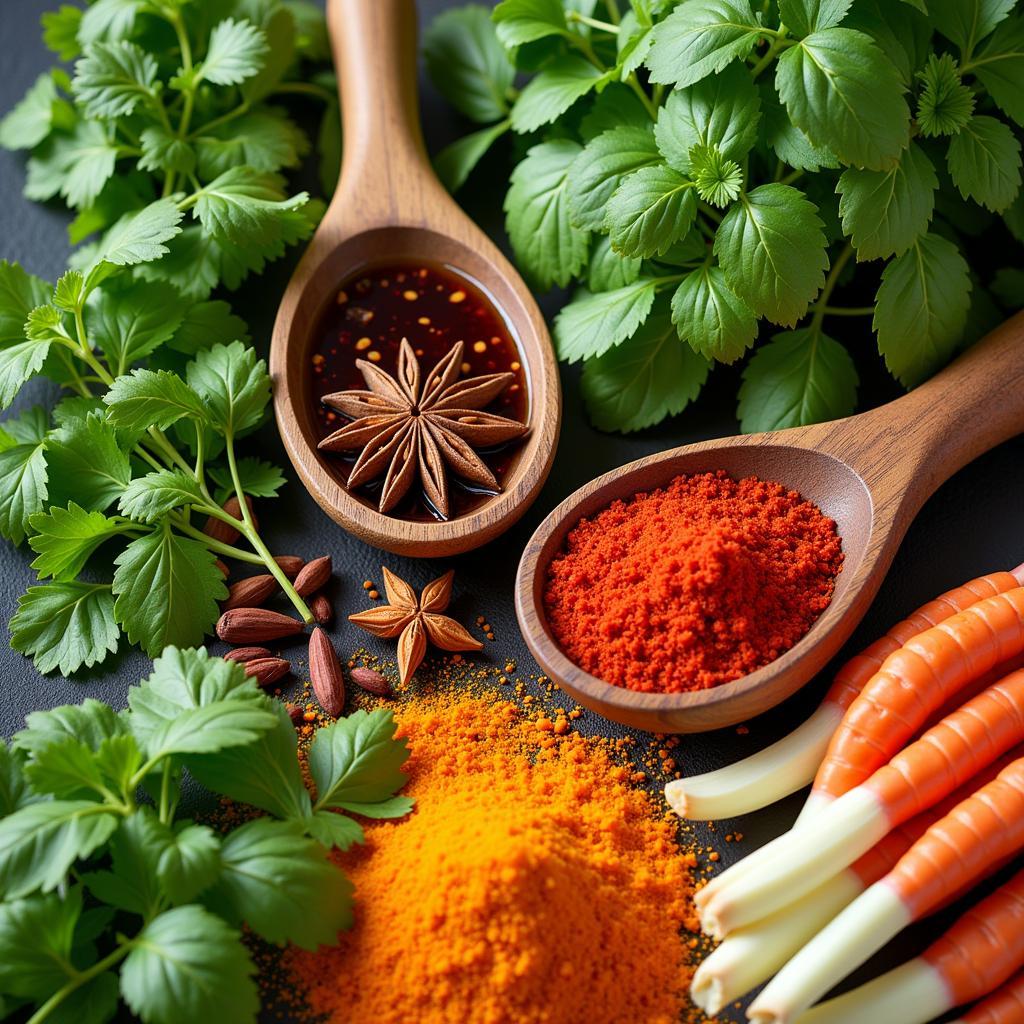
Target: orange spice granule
x: 532, y: 883
x: 692, y: 585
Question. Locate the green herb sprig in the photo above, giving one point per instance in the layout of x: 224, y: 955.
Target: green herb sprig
x: 702, y: 168
x: 108, y: 894
x: 165, y: 143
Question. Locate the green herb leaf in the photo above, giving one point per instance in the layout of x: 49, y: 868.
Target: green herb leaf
x: 31, y: 120
x: 236, y: 52
x: 921, y: 308
x: 65, y: 539
x: 23, y: 488
x: 552, y: 92
x: 20, y: 293
x: 92, y: 722
x: 282, y: 885
x: 135, y: 849
x: 189, y: 863
x: 607, y: 269
x: 523, y: 21
x: 718, y: 180
x: 790, y: 144
x: 592, y: 324
x: 130, y: 323
x: 598, y: 170
x: 945, y: 104
x: 65, y: 769
x: 885, y: 211
x: 112, y: 79
x: 18, y: 363
x: 36, y: 938
x: 967, y: 22
x: 468, y: 64
x: 807, y: 16
x: 163, y: 150
x: 232, y: 384
x: 709, y: 315
x: 14, y: 793
x: 258, y: 478
x: 150, y: 497
x: 844, y: 93
x: 903, y: 34
x: 548, y: 246
x: 999, y: 66
x: 772, y: 250
x: 656, y: 375
x: 800, y: 377
x: 455, y: 162
x: 723, y: 111
x: 86, y: 462
x: 264, y: 139
x: 65, y: 625
x: 167, y: 588
x: 75, y: 165
x: 151, y: 398
x: 137, y: 238
x: 394, y: 807
x: 700, y: 38
x: 984, y: 162
x: 60, y: 31
x: 108, y: 19
x: 651, y: 208
x: 206, y: 324
x: 336, y: 830
x: 187, y: 964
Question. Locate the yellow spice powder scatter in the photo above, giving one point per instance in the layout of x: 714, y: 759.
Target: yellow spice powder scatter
x: 532, y: 883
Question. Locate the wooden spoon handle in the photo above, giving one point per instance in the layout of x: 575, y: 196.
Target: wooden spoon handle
x: 384, y: 162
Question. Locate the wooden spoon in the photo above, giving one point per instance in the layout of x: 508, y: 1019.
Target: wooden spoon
x: 389, y: 205
x: 871, y: 473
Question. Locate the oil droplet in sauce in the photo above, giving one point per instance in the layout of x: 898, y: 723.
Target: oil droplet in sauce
x: 434, y: 307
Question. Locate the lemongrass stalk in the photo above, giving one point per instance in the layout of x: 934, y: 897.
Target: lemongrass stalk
x: 798, y: 862
x: 911, y: 994
x: 859, y: 931
x: 751, y: 955
x: 761, y: 779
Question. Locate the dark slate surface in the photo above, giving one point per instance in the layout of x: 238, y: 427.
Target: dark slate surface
x: 975, y: 523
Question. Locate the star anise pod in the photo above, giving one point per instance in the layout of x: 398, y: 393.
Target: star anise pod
x: 408, y: 426
x: 415, y: 620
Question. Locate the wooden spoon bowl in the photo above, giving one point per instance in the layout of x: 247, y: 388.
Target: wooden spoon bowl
x: 870, y: 473
x: 390, y: 206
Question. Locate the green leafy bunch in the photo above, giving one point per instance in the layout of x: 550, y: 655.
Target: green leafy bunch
x: 107, y: 893
x: 174, y: 98
x: 701, y: 167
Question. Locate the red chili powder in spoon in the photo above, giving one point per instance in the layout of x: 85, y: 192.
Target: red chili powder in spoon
x: 692, y: 585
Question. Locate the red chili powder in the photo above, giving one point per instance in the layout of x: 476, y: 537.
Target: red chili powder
x: 693, y: 585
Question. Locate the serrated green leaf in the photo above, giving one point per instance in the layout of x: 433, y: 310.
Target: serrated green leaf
x: 551, y: 93
x: 151, y: 398
x: 18, y: 363
x: 393, y: 807
x: 232, y: 384
x: 633, y: 43
x: 75, y: 165
x: 722, y: 110
x: 265, y: 139
x: 65, y: 625
x: 984, y: 162
x: 60, y: 31
x: 772, y: 250
x: 36, y: 938
x: 282, y: 885
x: 885, y: 211
x: 119, y: 758
x: 135, y: 848
x: 136, y: 238
x: 549, y: 248
x: 336, y: 830
x: 236, y: 51
x: 790, y: 144
x: 164, y: 150
x: 65, y: 769
x: 279, y: 28
x: 717, y: 179
x: 709, y: 315
x: 614, y: 107
x: 945, y: 104
x: 967, y: 22
x: 999, y: 65
x: 150, y: 497
x: 921, y: 308
x: 20, y: 293
x: 130, y: 323
x: 187, y: 964
x: 637, y: 385
x: 607, y: 270
x: 189, y: 863
x: 800, y: 377
x: 31, y: 119
x: 206, y: 324
x: 86, y: 463
x: 166, y: 588
x: 67, y: 295
x: 468, y: 64
x: 844, y: 93
x: 112, y: 79
x: 92, y: 722
x: 258, y: 478
x: 904, y: 34
x: 650, y: 209
x: 109, y: 19
x: 523, y: 21
x: 591, y: 324
x: 14, y: 793
x: 807, y: 16
x: 65, y: 538
x: 455, y: 162
x: 32, y: 425
x: 23, y: 488
x: 40, y: 842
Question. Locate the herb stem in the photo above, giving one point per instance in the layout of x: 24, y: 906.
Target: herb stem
x: 613, y: 11
x: 304, y: 89
x: 601, y: 26
x: 830, y: 283
x: 148, y: 458
x: 227, y: 550
x: 165, y: 792
x: 652, y: 109
x: 791, y: 177
x: 779, y: 44
x: 709, y: 211
x: 242, y: 108
x: 848, y: 310
x: 78, y: 979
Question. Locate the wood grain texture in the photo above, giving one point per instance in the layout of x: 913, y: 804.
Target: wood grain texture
x: 390, y: 205
x: 871, y: 473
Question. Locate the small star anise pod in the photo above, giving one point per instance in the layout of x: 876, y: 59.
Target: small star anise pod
x: 415, y: 620
x: 408, y: 426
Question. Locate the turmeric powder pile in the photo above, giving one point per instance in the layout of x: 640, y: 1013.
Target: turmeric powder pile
x: 532, y: 883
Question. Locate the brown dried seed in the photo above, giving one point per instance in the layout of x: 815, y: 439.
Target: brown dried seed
x: 295, y: 713
x: 255, y: 625
x: 371, y: 681
x: 325, y: 673
x: 267, y: 671
x: 322, y: 609
x: 313, y: 575
x: 291, y: 565
x: 250, y: 592
x: 223, y: 532
x: 248, y: 653
x: 223, y: 567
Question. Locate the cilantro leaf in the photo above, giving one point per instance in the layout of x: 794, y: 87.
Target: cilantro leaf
x: 75, y: 165
x: 112, y: 79
x: 130, y: 323
x: 65, y: 625
x: 709, y: 315
x: 967, y: 22
x: 591, y: 324
x: 190, y: 862
x: 92, y: 722
x: 468, y: 64
x: 599, y: 168
x: 265, y: 139
x: 772, y: 250
x: 65, y: 538
x: 167, y: 588
x: 109, y: 19
x: 552, y: 92
x: 523, y: 21
x: 651, y: 208
x: 31, y: 120
x: 86, y: 463
x: 135, y: 850
x: 456, y: 161
x: 14, y: 793
x: 187, y: 964
x: 921, y: 308
x: 66, y: 768
x: 656, y: 375
x: 162, y: 150
x: 151, y: 398
x: 23, y: 488
x: 723, y: 111
x: 999, y: 65
x: 337, y: 830
x: 136, y: 238
x: 18, y: 363
x: 36, y: 938
x: 844, y: 93
x: 282, y: 885
x: 700, y: 38
x: 60, y: 31
x: 232, y: 384
x: 150, y: 497
x: 20, y: 293
x: 800, y: 377
x: 945, y: 104
x: 258, y: 478
x: 885, y: 211
x: 608, y: 270
x: 807, y: 16
x: 984, y: 162
x: 205, y: 324
x: 548, y: 246
x: 236, y: 51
